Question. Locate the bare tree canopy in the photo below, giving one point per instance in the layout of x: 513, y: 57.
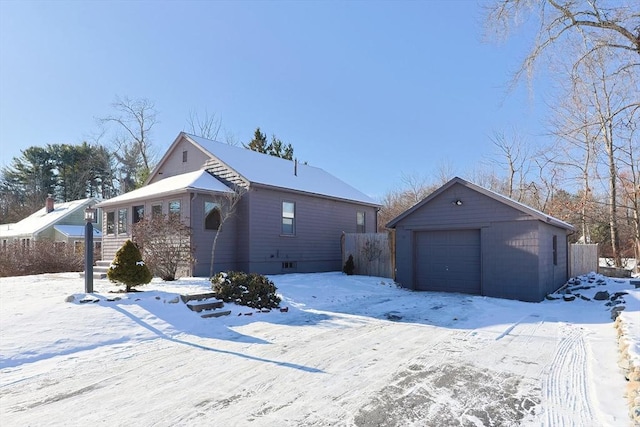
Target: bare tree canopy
x: 207, y: 126
x: 613, y: 24
x: 134, y: 119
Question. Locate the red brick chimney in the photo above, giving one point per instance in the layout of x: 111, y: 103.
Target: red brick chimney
x: 49, y: 204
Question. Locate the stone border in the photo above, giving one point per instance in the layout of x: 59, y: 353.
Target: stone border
x: 631, y: 370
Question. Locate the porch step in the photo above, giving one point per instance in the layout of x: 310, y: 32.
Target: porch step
x: 99, y: 270
x: 206, y: 304
x: 197, y: 297
x: 216, y: 314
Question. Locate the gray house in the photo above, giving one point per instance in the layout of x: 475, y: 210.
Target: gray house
x: 465, y: 238
x: 290, y: 216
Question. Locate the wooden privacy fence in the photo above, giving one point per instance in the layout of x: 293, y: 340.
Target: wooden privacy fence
x: 373, y: 253
x: 583, y: 259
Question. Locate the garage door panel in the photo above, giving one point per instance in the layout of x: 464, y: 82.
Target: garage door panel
x: 448, y: 260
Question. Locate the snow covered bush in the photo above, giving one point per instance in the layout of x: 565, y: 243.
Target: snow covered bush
x: 128, y: 268
x: 248, y: 289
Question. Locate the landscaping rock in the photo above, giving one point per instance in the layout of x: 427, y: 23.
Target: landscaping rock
x: 568, y: 297
x: 601, y: 296
x: 615, y: 311
x: 618, y: 295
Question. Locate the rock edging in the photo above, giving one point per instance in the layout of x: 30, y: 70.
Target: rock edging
x: 631, y: 370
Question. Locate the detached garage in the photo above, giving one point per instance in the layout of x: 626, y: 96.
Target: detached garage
x: 465, y: 238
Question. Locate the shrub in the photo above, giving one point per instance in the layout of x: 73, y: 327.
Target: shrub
x: 251, y: 290
x: 349, y: 266
x: 41, y: 256
x: 128, y: 268
x: 165, y: 242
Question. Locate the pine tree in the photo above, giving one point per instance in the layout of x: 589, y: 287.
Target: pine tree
x: 258, y: 143
x: 128, y: 268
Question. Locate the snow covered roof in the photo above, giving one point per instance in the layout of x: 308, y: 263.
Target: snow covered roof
x: 496, y: 196
x: 76, y: 230
x: 263, y: 169
x: 38, y: 221
x: 197, y: 180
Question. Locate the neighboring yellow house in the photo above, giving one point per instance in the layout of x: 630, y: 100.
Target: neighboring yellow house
x: 62, y: 222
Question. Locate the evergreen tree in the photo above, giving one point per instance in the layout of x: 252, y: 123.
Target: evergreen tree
x: 128, y: 268
x: 279, y: 149
x: 258, y: 143
x: 276, y: 148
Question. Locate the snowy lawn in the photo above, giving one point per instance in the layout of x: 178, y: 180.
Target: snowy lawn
x: 350, y: 351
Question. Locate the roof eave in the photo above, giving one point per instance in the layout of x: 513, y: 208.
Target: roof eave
x: 309, y: 193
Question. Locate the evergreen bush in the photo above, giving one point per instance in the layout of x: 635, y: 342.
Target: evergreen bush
x: 349, y: 266
x: 128, y: 268
x: 251, y: 290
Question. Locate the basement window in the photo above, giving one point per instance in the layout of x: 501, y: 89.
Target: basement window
x: 288, y: 265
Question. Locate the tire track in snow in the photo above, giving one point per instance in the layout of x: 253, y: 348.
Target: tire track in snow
x: 565, y: 389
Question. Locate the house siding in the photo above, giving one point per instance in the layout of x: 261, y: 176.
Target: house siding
x: 319, y: 223
x: 173, y: 164
x: 202, y: 239
x: 516, y: 248
x: 112, y: 242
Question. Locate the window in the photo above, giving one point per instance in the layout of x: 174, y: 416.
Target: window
x: 174, y: 207
x: 184, y: 156
x: 555, y: 250
x: 288, y: 265
x: 156, y: 211
x: 211, y: 216
x: 360, y: 224
x: 111, y: 223
x: 138, y: 213
x: 122, y: 221
x: 288, y: 218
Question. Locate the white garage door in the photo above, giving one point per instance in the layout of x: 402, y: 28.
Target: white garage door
x: 448, y: 261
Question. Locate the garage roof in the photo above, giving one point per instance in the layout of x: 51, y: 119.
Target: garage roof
x: 496, y: 196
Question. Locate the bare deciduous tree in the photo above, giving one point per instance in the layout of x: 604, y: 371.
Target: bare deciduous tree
x: 513, y: 155
x: 165, y: 242
x: 134, y: 120
x: 206, y: 127
x: 603, y: 25
x: 227, y: 209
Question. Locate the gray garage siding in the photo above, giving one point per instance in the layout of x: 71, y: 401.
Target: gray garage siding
x: 516, y: 243
x: 510, y: 260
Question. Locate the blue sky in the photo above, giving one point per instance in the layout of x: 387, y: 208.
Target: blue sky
x: 369, y: 91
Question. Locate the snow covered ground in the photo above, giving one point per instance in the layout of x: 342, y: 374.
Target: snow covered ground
x: 350, y: 351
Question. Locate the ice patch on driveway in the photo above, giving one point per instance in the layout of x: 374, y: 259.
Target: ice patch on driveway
x: 451, y: 395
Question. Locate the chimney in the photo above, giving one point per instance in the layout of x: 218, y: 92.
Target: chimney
x: 295, y: 167
x: 49, y: 204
